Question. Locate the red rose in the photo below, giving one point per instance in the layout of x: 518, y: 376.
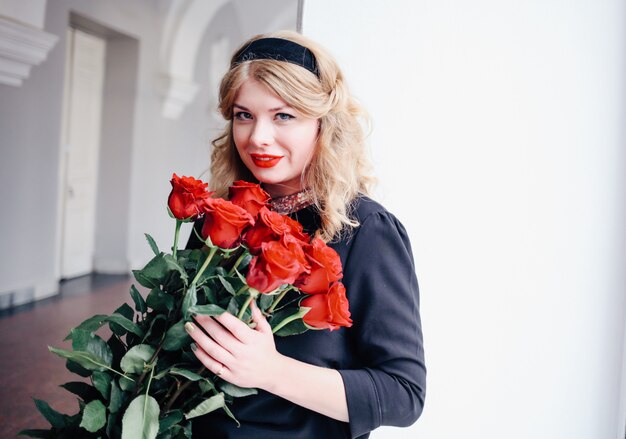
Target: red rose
x: 224, y: 222
x: 250, y: 196
x: 186, y: 197
x: 328, y: 311
x: 280, y: 262
x: 296, y: 229
x: 325, y: 268
x: 271, y: 226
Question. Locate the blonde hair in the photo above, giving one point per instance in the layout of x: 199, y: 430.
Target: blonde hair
x: 339, y: 169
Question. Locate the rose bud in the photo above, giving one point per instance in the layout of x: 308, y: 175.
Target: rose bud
x: 280, y: 262
x: 328, y: 311
x: 186, y: 197
x: 224, y: 222
x: 325, y: 268
x: 250, y: 196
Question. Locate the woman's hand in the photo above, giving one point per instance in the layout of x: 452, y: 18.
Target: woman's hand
x: 239, y: 354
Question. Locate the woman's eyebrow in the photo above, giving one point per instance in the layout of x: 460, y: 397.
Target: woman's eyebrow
x: 282, y: 107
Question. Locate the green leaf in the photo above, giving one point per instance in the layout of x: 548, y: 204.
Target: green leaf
x: 140, y: 303
x: 181, y: 431
x: 126, y: 311
x: 206, y: 386
x: 82, y: 390
x: 176, y: 337
x: 102, y: 382
x: 153, y: 245
x: 227, y: 285
x: 118, y: 349
x: 295, y: 326
x: 114, y: 430
x: 266, y: 301
x: 94, y: 416
x: 159, y: 327
x: 85, y: 359
x: 190, y: 299
x: 236, y: 391
x: 45, y: 434
x: 207, y: 406
x: 292, y: 328
x: 92, y: 324
x: 117, y: 397
x: 191, y: 376
x: 55, y: 418
x: 77, y: 369
x: 141, y: 419
x: 126, y: 324
x: 136, y: 358
x: 170, y: 419
x: 85, y: 341
x: 126, y: 383
x: 157, y: 271
x: 207, y: 310
x: 159, y: 300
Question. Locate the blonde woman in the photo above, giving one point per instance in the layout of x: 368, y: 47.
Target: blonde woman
x: 294, y: 127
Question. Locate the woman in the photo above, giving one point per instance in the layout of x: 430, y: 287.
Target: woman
x: 294, y: 127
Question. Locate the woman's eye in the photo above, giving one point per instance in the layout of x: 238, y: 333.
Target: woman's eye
x: 242, y: 115
x: 284, y: 116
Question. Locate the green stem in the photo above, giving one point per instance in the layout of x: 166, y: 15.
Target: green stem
x: 242, y: 289
x: 143, y: 375
x: 285, y: 322
x: 175, y: 248
x: 145, y: 402
x: 205, y: 265
x: 277, y: 300
x: 232, y: 270
x: 251, y: 297
x: 181, y: 389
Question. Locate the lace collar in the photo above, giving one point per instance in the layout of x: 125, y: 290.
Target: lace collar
x: 291, y: 203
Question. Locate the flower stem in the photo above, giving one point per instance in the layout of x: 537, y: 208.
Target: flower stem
x: 252, y: 295
x: 205, y: 265
x: 181, y: 389
x: 232, y: 270
x: 176, y: 234
x: 285, y: 322
x: 277, y: 300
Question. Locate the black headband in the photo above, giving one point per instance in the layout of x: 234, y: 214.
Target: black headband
x: 280, y: 50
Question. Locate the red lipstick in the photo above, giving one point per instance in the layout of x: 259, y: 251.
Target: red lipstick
x: 265, y: 160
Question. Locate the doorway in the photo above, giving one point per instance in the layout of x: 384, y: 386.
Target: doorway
x: 81, y: 146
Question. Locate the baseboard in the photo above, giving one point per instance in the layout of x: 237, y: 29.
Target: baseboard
x: 111, y: 266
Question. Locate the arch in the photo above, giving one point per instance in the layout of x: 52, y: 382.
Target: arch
x: 184, y: 28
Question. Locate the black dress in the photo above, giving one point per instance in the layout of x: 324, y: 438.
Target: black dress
x: 380, y: 358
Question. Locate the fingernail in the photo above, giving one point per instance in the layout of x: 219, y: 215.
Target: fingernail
x: 194, y: 347
x: 189, y: 327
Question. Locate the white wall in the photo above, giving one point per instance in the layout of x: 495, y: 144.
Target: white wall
x: 498, y: 142
x: 136, y: 165
x: 31, y: 12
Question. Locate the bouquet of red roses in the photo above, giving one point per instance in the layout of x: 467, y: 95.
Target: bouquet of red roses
x: 144, y: 381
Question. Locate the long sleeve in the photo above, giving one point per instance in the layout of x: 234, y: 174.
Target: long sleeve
x: 387, y: 387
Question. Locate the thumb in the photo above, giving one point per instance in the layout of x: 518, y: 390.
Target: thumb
x: 257, y: 316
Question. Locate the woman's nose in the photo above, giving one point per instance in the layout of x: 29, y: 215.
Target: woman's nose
x: 262, y: 133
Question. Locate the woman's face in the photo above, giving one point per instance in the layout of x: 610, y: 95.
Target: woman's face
x: 274, y: 141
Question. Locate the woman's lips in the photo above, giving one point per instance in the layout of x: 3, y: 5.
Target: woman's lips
x: 265, y: 160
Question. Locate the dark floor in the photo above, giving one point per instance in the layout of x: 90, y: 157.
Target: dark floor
x: 28, y: 369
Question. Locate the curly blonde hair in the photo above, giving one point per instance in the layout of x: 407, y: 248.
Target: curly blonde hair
x: 339, y: 169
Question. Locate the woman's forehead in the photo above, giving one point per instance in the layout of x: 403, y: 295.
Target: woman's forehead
x: 253, y: 93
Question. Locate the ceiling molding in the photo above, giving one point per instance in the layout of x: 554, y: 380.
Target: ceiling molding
x: 21, y: 48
